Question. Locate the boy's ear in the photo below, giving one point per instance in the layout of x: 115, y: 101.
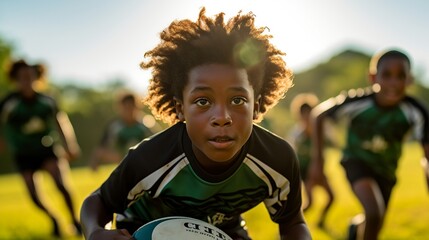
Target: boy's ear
x: 256, y: 107
x: 179, y: 109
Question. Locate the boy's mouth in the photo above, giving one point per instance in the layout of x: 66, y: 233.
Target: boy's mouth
x: 221, y: 142
x: 221, y: 139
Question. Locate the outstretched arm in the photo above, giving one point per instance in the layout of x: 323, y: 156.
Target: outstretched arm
x: 295, y: 229
x: 94, y: 216
x: 67, y: 135
x: 316, y: 173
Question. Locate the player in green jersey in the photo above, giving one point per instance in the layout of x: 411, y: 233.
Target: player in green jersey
x: 380, y: 119
x: 121, y: 133
x: 32, y: 124
x: 300, y: 137
x: 212, y: 78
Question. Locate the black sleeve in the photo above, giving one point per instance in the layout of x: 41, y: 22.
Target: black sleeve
x: 290, y: 207
x: 139, y: 163
x: 115, y: 189
x: 421, y: 120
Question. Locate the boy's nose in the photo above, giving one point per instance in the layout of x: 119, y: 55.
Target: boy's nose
x: 221, y: 117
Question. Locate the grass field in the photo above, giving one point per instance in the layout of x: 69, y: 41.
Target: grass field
x: 407, y: 218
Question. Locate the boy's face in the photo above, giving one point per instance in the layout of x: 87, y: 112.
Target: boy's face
x: 219, y: 107
x: 393, y: 76
x: 25, y: 78
x: 127, y: 110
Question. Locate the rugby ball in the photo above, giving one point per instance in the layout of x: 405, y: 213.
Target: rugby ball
x: 179, y: 228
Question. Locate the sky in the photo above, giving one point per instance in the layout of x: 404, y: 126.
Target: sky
x: 93, y: 42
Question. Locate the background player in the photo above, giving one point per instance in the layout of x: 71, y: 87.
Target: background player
x: 379, y: 120
x: 121, y: 133
x: 32, y: 123
x: 300, y: 137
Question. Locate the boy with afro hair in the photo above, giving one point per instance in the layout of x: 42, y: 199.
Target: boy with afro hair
x: 212, y: 80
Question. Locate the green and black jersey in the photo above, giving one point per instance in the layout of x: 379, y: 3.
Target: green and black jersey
x: 375, y: 134
x: 29, y: 124
x: 161, y: 177
x: 121, y: 136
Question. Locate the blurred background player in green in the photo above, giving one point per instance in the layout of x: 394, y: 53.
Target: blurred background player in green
x: 300, y: 137
x: 121, y: 133
x: 32, y: 124
x: 379, y: 120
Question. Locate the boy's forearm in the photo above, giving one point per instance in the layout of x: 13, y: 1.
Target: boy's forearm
x: 317, y: 139
x: 425, y: 166
x: 94, y: 215
x: 67, y: 133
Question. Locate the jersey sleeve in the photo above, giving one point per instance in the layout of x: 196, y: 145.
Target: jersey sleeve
x: 3, y: 108
x: 140, y: 162
x: 286, y: 202
x: 419, y: 116
x: 115, y: 189
x: 51, y: 102
x: 333, y: 107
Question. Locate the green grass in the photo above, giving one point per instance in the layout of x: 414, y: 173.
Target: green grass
x: 407, y: 218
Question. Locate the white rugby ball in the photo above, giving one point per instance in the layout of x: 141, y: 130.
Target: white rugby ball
x: 179, y: 228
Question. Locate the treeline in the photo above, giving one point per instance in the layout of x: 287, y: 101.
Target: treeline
x: 90, y: 109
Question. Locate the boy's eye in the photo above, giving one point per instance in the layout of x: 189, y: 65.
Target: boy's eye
x: 238, y: 101
x: 202, y: 102
x: 402, y: 76
x: 387, y: 75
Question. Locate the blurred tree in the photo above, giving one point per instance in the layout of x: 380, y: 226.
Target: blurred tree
x: 5, y: 58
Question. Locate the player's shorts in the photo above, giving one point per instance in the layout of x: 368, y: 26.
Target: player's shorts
x: 236, y: 230
x: 34, y: 162
x: 356, y: 170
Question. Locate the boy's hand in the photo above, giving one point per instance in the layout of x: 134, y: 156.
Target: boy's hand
x: 117, y: 234
x: 71, y: 155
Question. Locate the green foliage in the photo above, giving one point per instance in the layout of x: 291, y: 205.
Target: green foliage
x: 5, y: 56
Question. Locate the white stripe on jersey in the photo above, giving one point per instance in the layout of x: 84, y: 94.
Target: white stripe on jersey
x: 258, y: 172
x: 355, y: 108
x: 146, y: 183
x: 415, y: 118
x: 281, y: 182
x: 172, y: 174
x: 8, y: 108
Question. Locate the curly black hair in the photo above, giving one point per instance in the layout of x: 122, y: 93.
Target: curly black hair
x: 20, y: 64
x: 186, y: 44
